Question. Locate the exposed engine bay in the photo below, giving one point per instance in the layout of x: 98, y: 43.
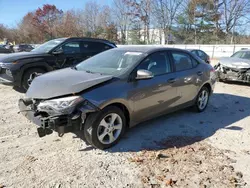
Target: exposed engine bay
x: 225, y: 73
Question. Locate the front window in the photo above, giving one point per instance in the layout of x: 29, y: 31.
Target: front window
x: 158, y: 63
x: 70, y: 48
x: 242, y: 55
x: 111, y: 62
x: 47, y: 46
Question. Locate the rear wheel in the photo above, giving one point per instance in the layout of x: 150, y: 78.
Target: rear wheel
x: 202, y: 99
x: 29, y: 76
x: 104, y: 129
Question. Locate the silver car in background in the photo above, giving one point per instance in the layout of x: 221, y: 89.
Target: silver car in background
x: 117, y: 89
x: 234, y: 68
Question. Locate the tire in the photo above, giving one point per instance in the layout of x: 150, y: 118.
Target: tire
x: 27, y: 75
x: 94, y: 131
x: 202, y: 99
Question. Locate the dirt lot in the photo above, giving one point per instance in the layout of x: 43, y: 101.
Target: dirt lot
x: 184, y: 149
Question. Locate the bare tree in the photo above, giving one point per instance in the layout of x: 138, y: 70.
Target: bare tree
x: 122, y: 18
x: 90, y: 16
x: 165, y: 12
x: 140, y: 11
x: 233, y: 12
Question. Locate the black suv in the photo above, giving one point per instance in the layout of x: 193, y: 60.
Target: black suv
x: 19, y: 69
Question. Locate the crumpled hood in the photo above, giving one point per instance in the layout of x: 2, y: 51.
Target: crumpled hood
x: 19, y: 55
x: 235, y: 62
x: 63, y: 82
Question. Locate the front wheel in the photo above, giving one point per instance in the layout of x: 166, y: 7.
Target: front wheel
x: 104, y: 129
x: 202, y: 99
x: 29, y: 76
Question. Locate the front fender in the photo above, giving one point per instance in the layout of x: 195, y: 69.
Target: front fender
x: 102, y: 104
x: 27, y: 66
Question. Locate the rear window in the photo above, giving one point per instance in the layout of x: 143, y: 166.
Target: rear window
x: 95, y: 46
x: 182, y: 61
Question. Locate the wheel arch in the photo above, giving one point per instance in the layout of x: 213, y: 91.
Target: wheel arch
x: 123, y: 107
x: 27, y: 67
x: 208, y: 86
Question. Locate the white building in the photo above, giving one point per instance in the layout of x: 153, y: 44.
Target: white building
x: 156, y: 36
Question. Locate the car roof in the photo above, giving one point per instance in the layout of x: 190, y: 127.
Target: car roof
x: 191, y: 49
x: 89, y: 39
x: 147, y: 49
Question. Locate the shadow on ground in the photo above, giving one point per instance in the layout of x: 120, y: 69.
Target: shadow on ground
x: 185, y: 127
x: 236, y: 83
x: 18, y: 89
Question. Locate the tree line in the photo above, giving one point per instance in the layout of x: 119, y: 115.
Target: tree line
x: 133, y: 22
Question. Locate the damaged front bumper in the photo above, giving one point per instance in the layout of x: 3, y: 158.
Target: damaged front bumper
x: 226, y: 73
x: 58, y: 123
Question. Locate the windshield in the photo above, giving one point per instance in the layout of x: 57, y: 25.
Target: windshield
x: 47, y: 46
x: 111, y: 62
x: 242, y: 54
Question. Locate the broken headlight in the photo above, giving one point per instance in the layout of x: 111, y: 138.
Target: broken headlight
x: 64, y: 105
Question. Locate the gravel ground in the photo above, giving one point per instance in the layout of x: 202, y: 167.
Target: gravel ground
x: 183, y: 149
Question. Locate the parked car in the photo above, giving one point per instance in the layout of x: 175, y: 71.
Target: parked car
x: 22, y: 48
x: 201, y: 54
x: 234, y: 68
x: 21, y: 68
x: 4, y: 50
x: 117, y: 89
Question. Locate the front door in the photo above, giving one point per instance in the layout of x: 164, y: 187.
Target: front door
x: 71, y: 54
x: 153, y: 96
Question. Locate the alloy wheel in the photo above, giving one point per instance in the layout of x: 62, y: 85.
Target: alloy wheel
x: 32, y: 77
x: 109, y: 128
x: 203, y: 99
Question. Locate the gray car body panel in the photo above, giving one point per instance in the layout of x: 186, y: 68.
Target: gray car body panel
x: 63, y: 82
x: 144, y: 99
x: 235, y: 62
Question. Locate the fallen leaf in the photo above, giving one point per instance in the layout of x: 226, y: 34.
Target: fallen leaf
x: 233, y: 179
x: 170, y: 182
x: 137, y: 160
x: 31, y: 158
x: 239, y: 174
x: 161, y: 178
x: 145, y: 179
x: 160, y: 155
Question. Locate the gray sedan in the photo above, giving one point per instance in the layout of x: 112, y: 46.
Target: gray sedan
x: 117, y: 89
x: 234, y: 68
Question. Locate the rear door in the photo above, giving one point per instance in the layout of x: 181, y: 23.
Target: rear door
x: 188, y: 76
x: 91, y: 48
x: 154, y: 96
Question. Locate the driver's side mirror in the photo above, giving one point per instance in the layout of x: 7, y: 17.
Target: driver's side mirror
x: 144, y: 74
x: 58, y: 51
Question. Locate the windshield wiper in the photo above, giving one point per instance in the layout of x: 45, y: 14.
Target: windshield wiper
x: 74, y: 67
x: 88, y: 71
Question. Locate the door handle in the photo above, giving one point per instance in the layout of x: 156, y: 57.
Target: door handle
x: 199, y: 73
x: 171, y: 80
